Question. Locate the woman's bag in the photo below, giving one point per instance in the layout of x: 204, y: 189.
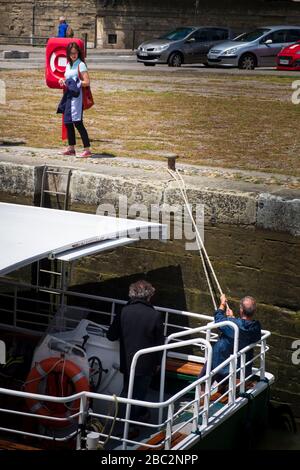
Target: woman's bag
x: 87, y: 97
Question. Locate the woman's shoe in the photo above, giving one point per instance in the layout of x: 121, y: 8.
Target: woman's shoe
x: 69, y: 152
x: 86, y: 154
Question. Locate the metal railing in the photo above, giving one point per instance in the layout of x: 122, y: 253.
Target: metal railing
x: 201, y: 413
x: 200, y: 410
x: 40, y: 319
x: 34, y: 40
x: 31, y: 40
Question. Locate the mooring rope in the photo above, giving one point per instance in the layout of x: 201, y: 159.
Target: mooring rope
x: 181, y: 185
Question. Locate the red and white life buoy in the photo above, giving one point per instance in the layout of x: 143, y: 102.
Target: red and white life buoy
x: 55, y: 376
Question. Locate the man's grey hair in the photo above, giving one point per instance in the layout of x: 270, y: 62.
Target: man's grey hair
x: 248, y: 305
x: 141, y: 290
x: 62, y: 18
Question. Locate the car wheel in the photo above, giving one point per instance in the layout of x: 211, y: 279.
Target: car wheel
x: 247, y: 62
x: 175, y: 60
x: 148, y: 65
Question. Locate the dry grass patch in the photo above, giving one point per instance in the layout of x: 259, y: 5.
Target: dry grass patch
x: 229, y: 121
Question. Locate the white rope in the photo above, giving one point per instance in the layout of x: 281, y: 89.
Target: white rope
x: 198, y: 238
x: 198, y: 234
x: 42, y: 376
x: 113, y: 421
x: 198, y: 241
x: 175, y: 175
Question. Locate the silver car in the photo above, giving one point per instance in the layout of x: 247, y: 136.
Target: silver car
x: 255, y: 49
x: 186, y: 45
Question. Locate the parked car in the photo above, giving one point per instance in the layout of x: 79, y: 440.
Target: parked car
x: 257, y: 48
x: 289, y: 57
x: 185, y: 45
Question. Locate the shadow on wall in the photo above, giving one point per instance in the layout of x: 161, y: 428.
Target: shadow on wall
x: 167, y: 281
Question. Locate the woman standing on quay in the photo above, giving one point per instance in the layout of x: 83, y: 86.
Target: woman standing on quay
x: 76, y: 77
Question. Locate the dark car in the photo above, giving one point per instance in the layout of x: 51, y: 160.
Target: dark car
x: 185, y: 45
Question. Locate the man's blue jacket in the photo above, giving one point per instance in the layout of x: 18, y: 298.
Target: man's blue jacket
x: 62, y: 29
x: 249, y: 332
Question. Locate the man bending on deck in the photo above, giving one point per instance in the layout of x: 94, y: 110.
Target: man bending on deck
x: 249, y: 332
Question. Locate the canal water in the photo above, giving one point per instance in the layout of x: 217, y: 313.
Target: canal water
x: 282, y: 432
x: 280, y: 439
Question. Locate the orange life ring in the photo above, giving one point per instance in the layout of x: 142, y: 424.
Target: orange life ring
x: 71, y: 379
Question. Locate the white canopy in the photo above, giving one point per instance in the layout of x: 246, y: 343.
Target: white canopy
x: 30, y: 233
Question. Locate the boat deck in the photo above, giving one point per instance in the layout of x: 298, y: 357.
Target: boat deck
x: 9, y: 445
x: 149, y: 436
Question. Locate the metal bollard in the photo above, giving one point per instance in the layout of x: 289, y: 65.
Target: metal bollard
x: 171, y: 161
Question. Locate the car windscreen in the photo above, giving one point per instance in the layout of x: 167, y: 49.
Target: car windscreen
x: 252, y: 36
x: 177, y: 34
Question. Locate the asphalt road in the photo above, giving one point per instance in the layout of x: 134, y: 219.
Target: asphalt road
x: 127, y: 61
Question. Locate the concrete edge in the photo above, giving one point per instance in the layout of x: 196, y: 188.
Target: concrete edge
x: 242, y: 208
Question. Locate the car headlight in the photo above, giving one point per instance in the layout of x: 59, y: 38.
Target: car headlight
x: 298, y: 52
x: 230, y: 51
x: 161, y: 48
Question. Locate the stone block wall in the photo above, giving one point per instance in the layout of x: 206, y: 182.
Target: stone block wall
x: 80, y: 15
x: 40, y: 18
x: 136, y: 21
x: 16, y: 17
x: 133, y: 21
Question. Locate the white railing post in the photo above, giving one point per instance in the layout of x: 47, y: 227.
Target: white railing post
x: 205, y: 415
x: 168, y: 439
x: 207, y: 337
x: 232, y: 380
x: 81, y: 419
x: 196, y: 408
x: 112, y: 312
x: 166, y: 323
x: 162, y: 384
x: 263, y: 359
x: 15, y: 304
x: 242, y: 372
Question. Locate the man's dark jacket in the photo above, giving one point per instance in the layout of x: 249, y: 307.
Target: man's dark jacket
x: 249, y: 332
x: 138, y: 326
